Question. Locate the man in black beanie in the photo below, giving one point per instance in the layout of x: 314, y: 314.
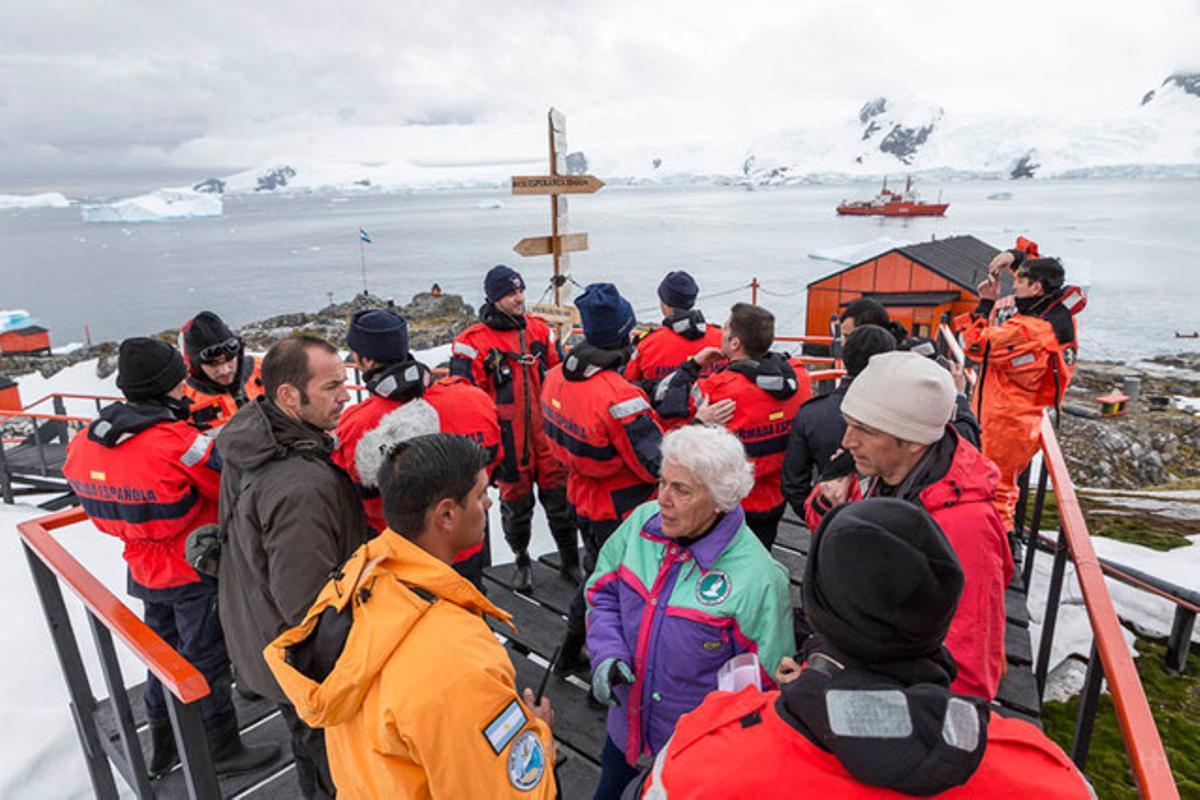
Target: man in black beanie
x: 146, y: 476
x: 683, y: 334
x: 221, y: 377
x: 507, y: 354
x: 869, y: 712
x: 817, y: 430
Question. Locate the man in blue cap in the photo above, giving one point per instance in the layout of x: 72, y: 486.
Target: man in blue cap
x: 683, y: 334
x: 603, y: 428
x: 507, y: 354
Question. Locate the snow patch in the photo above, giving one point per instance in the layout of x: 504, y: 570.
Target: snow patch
x: 163, y: 205
x: 23, y: 201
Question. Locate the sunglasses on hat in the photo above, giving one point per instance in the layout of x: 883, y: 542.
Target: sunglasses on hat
x: 230, y: 348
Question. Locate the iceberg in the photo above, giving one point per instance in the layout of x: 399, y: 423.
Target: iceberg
x: 163, y: 205
x: 44, y: 200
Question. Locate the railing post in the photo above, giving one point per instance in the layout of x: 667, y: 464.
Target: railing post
x: 1180, y: 640
x: 134, y: 768
x: 1022, y: 502
x: 6, y: 490
x: 1089, y: 701
x: 83, y: 703
x: 1050, y: 617
x: 60, y: 407
x: 192, y: 743
x: 1035, y: 525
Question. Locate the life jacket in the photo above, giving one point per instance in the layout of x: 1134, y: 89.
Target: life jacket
x: 212, y: 404
x: 149, y: 480
x: 508, y: 357
x: 603, y: 429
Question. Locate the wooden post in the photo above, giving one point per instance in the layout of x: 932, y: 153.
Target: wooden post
x: 754, y: 291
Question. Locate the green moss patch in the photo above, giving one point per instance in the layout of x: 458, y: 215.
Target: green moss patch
x: 1136, y: 526
x: 1175, y: 704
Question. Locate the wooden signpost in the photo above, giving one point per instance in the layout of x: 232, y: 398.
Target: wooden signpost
x: 559, y: 243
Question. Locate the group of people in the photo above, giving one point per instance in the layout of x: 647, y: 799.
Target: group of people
x: 328, y: 557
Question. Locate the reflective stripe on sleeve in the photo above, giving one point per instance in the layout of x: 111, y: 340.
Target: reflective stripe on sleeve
x: 627, y: 408
x: 197, y: 451
x: 463, y: 349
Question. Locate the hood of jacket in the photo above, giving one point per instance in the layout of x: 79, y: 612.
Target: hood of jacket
x: 402, y: 381
x: 952, y: 471
x: 260, y: 432
x: 497, y: 320
x: 688, y: 323
x: 201, y: 382
x: 585, y: 360
x: 120, y: 422
x: 772, y: 373
x: 387, y: 586
x: 906, y: 734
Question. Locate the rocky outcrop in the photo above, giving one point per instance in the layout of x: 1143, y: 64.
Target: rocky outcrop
x: 210, y: 186
x: 274, y: 179
x: 1188, y: 82
x: 1024, y: 167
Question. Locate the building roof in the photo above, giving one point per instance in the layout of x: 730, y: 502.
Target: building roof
x: 911, y: 298
x: 960, y: 259
x: 28, y: 330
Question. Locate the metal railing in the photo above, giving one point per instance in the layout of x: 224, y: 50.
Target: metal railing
x: 50, y: 432
x: 1110, y: 660
x: 184, y: 686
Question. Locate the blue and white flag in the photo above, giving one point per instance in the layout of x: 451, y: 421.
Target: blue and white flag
x: 363, y: 237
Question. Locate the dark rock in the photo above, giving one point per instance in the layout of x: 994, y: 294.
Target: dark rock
x: 903, y: 142
x: 872, y: 109
x: 656, y: 163
x: 871, y: 130
x: 1024, y: 167
x: 1147, y: 97
x: 274, y: 179
x: 362, y: 182
x: 210, y: 186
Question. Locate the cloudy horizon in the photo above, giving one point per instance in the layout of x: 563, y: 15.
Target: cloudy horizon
x: 125, y: 93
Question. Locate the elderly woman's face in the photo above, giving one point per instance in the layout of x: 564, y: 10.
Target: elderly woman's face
x: 686, y: 504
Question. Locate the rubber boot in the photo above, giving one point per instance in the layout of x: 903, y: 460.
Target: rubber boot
x: 564, y: 531
x: 570, y: 570
x: 231, y: 756
x: 163, y: 753
x: 523, y: 574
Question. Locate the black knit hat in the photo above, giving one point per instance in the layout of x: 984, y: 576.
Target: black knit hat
x: 500, y: 282
x: 379, y: 335
x: 882, y: 581
x: 862, y: 343
x: 607, y: 317
x: 206, y: 330
x: 147, y: 369
x: 678, y: 290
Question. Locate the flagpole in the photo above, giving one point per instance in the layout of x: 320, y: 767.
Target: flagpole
x: 362, y: 250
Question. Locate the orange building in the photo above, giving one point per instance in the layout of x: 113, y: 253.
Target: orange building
x: 916, y: 283
x: 10, y: 395
x: 30, y: 339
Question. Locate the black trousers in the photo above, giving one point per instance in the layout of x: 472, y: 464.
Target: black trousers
x: 186, y: 618
x: 765, y: 524
x: 594, y: 534
x: 312, y: 762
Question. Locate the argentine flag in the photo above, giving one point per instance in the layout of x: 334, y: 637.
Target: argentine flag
x: 363, y: 237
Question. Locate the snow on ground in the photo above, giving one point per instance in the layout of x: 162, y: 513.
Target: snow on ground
x: 44, y: 200
x: 162, y: 205
x: 77, y: 379
x: 1191, y: 404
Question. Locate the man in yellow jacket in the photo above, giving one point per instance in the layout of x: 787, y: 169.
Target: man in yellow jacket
x: 395, y: 660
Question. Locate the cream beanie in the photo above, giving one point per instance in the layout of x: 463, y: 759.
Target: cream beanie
x: 904, y: 394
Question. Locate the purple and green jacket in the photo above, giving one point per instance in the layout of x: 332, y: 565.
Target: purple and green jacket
x: 676, y: 613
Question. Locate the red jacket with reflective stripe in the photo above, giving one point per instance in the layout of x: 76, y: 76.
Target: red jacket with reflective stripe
x: 762, y: 424
x: 525, y: 356
x: 662, y: 350
x: 150, y: 491
x: 605, y: 432
x: 722, y: 751
x: 461, y: 408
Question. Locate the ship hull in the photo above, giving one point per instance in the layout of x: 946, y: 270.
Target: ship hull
x: 895, y: 210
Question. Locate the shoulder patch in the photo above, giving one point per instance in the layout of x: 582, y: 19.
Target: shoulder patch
x: 526, y: 761
x: 193, y: 455
x: 505, y: 726
x: 627, y: 408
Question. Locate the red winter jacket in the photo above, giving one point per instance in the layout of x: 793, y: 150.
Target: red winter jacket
x: 508, y: 359
x: 365, y: 428
x: 961, y: 502
x: 149, y: 480
x: 738, y: 746
x: 603, y: 429
x: 662, y: 350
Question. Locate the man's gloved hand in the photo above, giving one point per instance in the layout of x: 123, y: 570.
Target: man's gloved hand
x: 610, y: 673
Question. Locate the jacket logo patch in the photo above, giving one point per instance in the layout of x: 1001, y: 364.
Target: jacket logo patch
x: 97, y: 476
x: 775, y: 416
x: 1021, y: 361
x: 711, y: 645
x: 526, y: 761
x: 714, y: 588
x: 507, y: 724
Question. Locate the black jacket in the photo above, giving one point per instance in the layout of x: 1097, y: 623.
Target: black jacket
x: 816, y: 435
x: 297, y: 521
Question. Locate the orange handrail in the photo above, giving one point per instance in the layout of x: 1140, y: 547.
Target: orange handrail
x: 1142, y: 743
x: 5, y: 415
x: 71, y: 396
x: 176, y: 673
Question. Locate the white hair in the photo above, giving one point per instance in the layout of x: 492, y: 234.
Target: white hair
x: 716, y: 458
x: 414, y: 418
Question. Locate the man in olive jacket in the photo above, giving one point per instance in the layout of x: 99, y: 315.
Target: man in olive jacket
x: 293, y: 518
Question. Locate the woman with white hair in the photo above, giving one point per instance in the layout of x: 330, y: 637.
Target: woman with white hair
x: 679, y: 589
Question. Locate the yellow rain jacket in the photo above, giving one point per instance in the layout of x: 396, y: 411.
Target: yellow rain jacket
x: 422, y: 701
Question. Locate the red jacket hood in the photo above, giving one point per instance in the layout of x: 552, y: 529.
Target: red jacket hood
x: 971, y: 478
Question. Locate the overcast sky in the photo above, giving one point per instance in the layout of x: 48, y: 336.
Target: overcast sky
x: 121, y: 88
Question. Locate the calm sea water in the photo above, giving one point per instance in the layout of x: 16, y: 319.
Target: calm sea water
x: 1135, y: 244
